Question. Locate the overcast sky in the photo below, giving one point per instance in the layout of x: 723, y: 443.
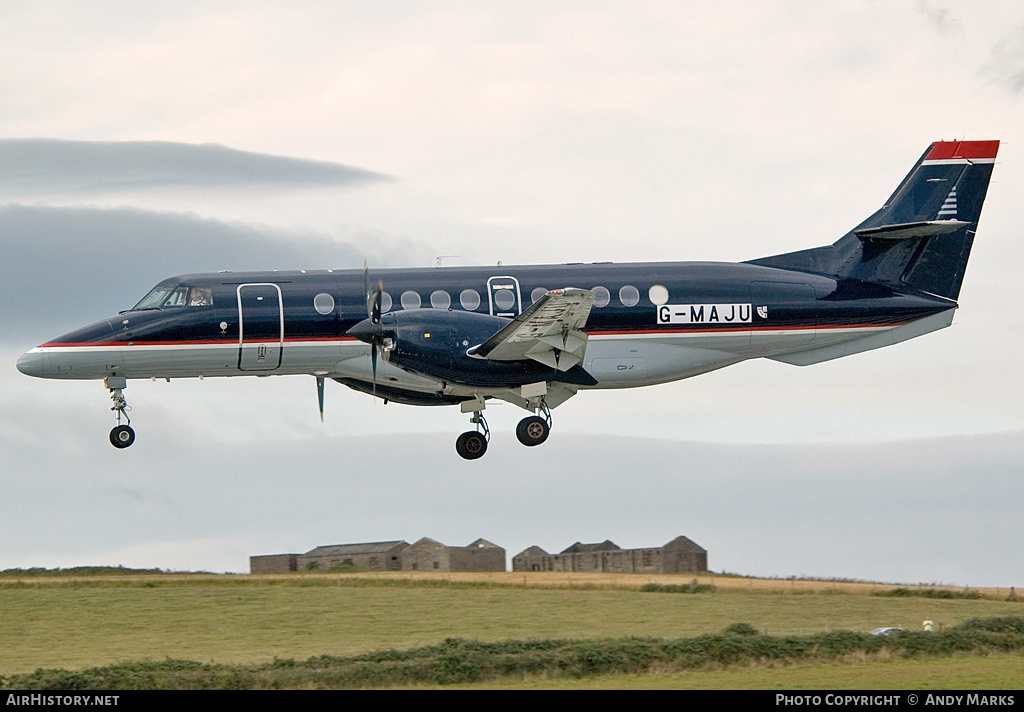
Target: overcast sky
x: 144, y: 140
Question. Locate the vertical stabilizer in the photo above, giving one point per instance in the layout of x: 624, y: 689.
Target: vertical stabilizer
x: 922, y: 236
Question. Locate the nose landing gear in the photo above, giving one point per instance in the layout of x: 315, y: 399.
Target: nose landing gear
x: 121, y: 436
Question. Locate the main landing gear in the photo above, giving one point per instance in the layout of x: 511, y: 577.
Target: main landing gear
x: 534, y: 429
x: 473, y: 443
x: 121, y: 436
x: 531, y: 431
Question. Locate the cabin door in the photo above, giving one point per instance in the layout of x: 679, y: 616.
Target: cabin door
x: 260, y: 327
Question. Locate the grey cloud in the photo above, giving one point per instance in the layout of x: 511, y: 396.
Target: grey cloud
x: 50, y: 166
x: 1007, y: 64
x: 64, y: 267
x: 941, y: 18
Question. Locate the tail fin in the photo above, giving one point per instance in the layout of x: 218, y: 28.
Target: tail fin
x: 922, y: 236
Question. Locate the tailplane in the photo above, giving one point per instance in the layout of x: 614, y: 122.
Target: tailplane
x: 922, y: 236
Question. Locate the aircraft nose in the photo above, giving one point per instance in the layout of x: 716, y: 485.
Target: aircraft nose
x: 32, y: 363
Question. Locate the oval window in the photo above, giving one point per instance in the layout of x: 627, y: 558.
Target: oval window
x: 629, y: 296
x: 658, y: 294
x: 537, y: 294
x: 410, y: 300
x: 323, y: 303
x: 440, y: 299
x: 385, y: 302
x: 601, y: 296
x: 469, y: 299
x: 504, y: 299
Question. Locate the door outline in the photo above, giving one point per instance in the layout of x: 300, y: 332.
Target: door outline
x: 503, y: 283
x: 259, y: 346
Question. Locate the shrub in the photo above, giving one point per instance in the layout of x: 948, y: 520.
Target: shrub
x: 740, y: 629
x: 677, y: 588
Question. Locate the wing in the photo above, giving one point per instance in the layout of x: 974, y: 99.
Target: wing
x: 550, y: 331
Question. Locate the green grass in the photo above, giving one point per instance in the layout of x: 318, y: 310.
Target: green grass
x: 235, y: 620
x: 990, y: 672
x: 455, y: 661
x: 904, y: 592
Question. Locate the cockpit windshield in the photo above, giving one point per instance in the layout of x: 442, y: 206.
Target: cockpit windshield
x: 176, y: 296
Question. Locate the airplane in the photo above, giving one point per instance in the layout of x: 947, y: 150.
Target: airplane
x: 535, y: 335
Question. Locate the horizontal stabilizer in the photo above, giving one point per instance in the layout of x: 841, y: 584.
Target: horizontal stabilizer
x: 905, y: 231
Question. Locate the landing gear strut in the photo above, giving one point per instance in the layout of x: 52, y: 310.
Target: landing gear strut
x: 531, y: 431
x: 473, y: 443
x: 534, y: 429
x: 121, y: 436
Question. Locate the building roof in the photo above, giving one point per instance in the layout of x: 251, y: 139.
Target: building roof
x: 685, y: 543
x: 428, y: 543
x: 373, y: 547
x: 483, y: 544
x: 606, y: 545
x: 532, y: 551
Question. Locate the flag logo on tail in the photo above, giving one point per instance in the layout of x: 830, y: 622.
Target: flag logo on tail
x: 948, y: 208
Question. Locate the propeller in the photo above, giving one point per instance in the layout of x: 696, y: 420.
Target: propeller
x: 372, y: 298
x: 320, y: 395
x: 371, y: 333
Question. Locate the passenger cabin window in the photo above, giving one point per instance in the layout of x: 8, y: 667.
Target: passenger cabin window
x: 469, y: 299
x: 629, y: 296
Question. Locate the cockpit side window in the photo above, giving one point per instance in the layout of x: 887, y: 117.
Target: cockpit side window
x: 172, y: 296
x: 155, y: 298
x: 200, y: 297
x: 176, y: 298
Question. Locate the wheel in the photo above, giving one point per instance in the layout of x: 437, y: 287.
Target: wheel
x: 532, y: 431
x: 122, y: 436
x: 471, y: 445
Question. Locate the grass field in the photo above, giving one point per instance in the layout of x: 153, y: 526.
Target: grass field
x: 80, y: 622
x: 994, y: 672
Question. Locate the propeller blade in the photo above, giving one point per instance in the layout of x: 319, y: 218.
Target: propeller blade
x: 375, y: 312
x: 320, y: 395
x: 366, y: 288
x: 373, y: 365
x: 373, y: 304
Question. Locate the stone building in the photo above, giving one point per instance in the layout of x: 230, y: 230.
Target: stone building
x: 273, y: 563
x: 430, y: 555
x: 370, y: 556
x: 425, y: 555
x: 678, y: 556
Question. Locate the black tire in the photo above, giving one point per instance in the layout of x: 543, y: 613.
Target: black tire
x: 471, y: 445
x: 122, y: 436
x: 532, y: 431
